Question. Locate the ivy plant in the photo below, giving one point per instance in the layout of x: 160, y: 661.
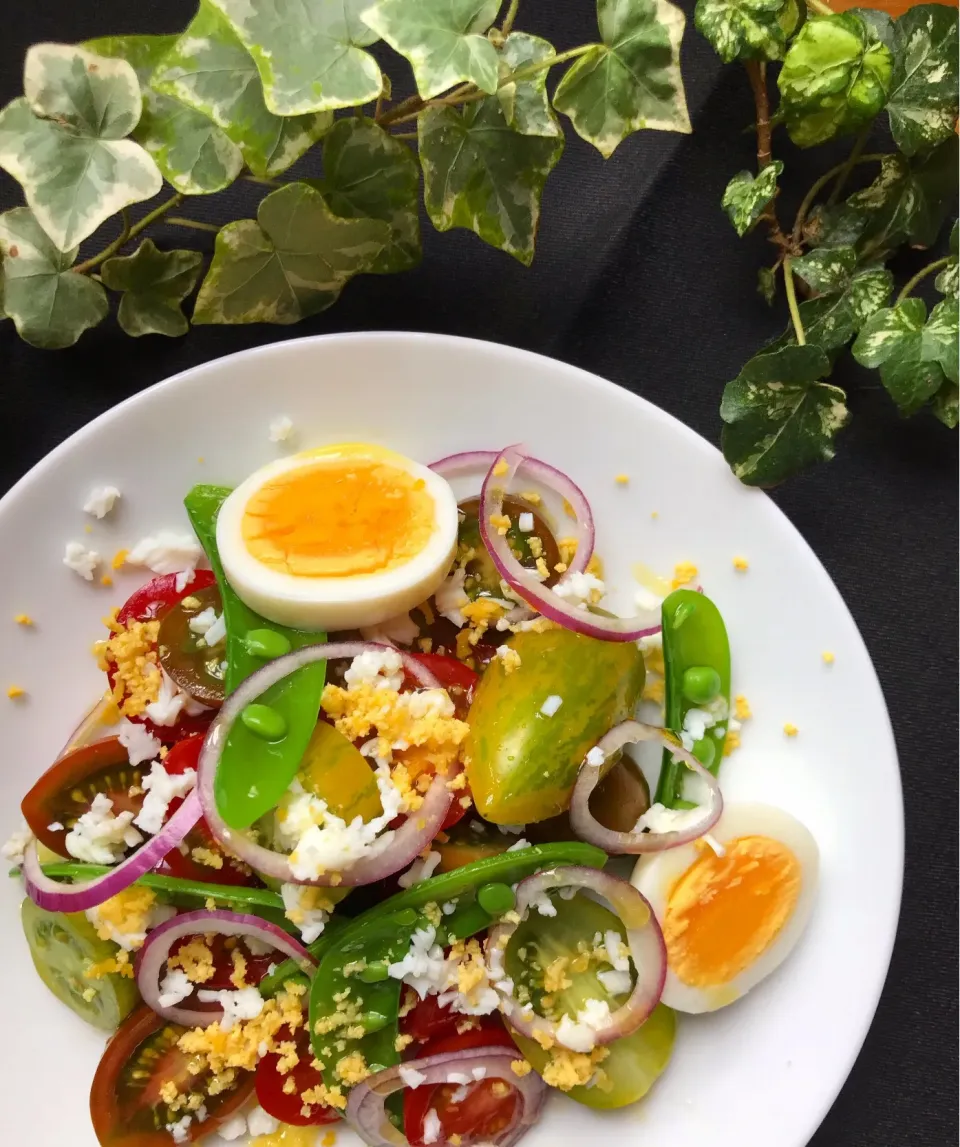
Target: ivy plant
x: 839, y: 73
x: 243, y: 92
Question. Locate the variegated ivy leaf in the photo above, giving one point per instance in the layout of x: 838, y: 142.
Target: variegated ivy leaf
x: 51, y: 306
x: 309, y: 52
x: 154, y: 283
x: 746, y: 197
x: 632, y: 80
x: 924, y: 98
x: 526, y: 104
x: 747, y: 29
x: 292, y: 262
x: 370, y: 175
x: 940, y: 338
x: 767, y: 285
x: 193, y: 154
x: 481, y: 174
x: 948, y: 281
x: 443, y: 40
x: 831, y: 321
x: 891, y: 340
x: 839, y: 226
x: 64, y: 141
x: 780, y: 416
x: 945, y: 405
x: 209, y: 70
x: 826, y: 269
x: 835, y: 78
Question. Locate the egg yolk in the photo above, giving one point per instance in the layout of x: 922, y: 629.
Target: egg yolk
x: 342, y: 518
x: 725, y: 911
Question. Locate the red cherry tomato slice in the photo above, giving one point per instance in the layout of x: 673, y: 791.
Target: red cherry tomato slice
x: 256, y: 967
x: 126, y: 1104
x: 288, y: 1107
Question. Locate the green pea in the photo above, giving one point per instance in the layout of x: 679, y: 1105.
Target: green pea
x: 264, y: 721
x: 266, y: 644
x: 374, y: 973
x: 405, y: 917
x: 496, y: 898
x: 706, y: 751
x: 700, y: 684
x: 373, y: 1021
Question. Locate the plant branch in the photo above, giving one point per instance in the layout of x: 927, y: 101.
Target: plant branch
x: 792, y: 301
x: 128, y: 233
x: 411, y: 103
x: 820, y: 8
x: 911, y: 284
x: 111, y: 248
x: 852, y: 160
x: 507, y: 26
x: 264, y: 182
x: 820, y: 184
x: 177, y: 221
x: 757, y: 74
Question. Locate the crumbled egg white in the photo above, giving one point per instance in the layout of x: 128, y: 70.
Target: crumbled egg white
x: 201, y: 622
x: 302, y: 908
x: 421, y: 869
x: 520, y: 844
x: 401, y: 629
x: 171, y: 702
x: 525, y: 523
x: 99, y: 836
x: 616, y: 983
x: 581, y: 1034
x: 81, y: 560
x: 460, y: 980
x: 382, y: 669
x: 582, y: 589
x: 260, y: 1123
x: 217, y: 632
x: 411, y: 1077
x: 15, y: 847
x: 166, y: 553
x: 101, y: 501
x: 243, y: 1004
x: 140, y: 743
x: 161, y: 788
x: 174, y: 988
x: 596, y: 756
x: 281, y: 428
x: 233, y: 1127
x: 551, y: 705
x: 451, y: 597
x: 544, y: 905
x: 432, y: 1126
x: 658, y: 818
x: 127, y: 917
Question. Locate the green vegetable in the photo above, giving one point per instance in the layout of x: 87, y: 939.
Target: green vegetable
x: 266, y: 644
x: 695, y: 650
x: 63, y: 946
x: 265, y: 721
x: 254, y: 773
x: 522, y: 764
x: 635, y: 1062
x: 496, y: 898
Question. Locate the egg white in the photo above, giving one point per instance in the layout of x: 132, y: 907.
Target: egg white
x: 336, y: 603
x: 656, y: 874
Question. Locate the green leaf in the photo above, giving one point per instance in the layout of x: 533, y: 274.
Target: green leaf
x: 526, y: 104
x: 481, y: 174
x: 767, y: 284
x: 940, y: 338
x: 839, y: 226
x: 293, y: 262
x: 835, y: 78
x: 632, y: 80
x: 442, y: 39
x: 827, y: 269
x: 831, y: 321
x: 209, y: 70
x: 51, y: 306
x: 370, y: 175
x: 744, y: 29
x: 923, y: 103
x: 892, y: 340
x: 948, y: 281
x: 154, y: 283
x: 64, y: 141
x: 945, y: 405
x: 745, y: 198
x: 780, y: 417
x: 193, y: 154
x: 308, y: 52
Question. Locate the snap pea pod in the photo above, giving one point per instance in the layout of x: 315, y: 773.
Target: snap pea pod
x: 262, y: 754
x: 383, y: 935
x: 696, y: 657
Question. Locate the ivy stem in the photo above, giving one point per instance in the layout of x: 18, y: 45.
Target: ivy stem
x: 757, y: 74
x: 792, y: 301
x: 128, y: 233
x: 507, y: 25
x: 851, y: 163
x: 910, y: 285
x: 411, y: 103
x: 820, y: 184
x: 405, y: 135
x: 261, y: 180
x: 820, y: 7
x: 177, y: 221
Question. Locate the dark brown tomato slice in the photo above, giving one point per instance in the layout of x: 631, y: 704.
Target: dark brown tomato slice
x: 129, y: 1101
x: 618, y: 802
x: 195, y: 666
x: 482, y: 575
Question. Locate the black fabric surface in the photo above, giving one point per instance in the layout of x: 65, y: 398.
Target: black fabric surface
x: 640, y: 278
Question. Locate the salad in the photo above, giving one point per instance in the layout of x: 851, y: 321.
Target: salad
x: 354, y: 833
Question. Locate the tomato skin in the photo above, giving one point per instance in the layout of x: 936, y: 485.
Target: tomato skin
x: 288, y: 1108
x: 112, y: 1122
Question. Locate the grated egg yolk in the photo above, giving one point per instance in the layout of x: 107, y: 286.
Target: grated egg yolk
x: 339, y: 518
x: 725, y: 911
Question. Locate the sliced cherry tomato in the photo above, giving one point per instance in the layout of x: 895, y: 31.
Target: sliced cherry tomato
x: 288, y: 1107
x: 195, y: 666
x: 477, y: 1112
x: 66, y: 790
x: 428, y: 1020
x: 222, y: 953
x: 126, y: 1104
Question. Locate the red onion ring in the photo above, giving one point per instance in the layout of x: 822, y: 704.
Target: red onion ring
x: 367, y: 1114
x: 644, y: 939
x: 588, y: 828
x: 152, y: 958
x: 48, y: 893
x: 545, y: 475
x: 525, y: 582
x: 394, y: 850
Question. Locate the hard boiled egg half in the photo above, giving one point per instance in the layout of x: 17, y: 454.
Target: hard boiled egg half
x: 729, y: 920
x: 337, y: 538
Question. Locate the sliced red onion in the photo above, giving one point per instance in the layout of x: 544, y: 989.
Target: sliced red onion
x: 526, y: 583
x: 56, y: 897
x: 394, y: 850
x: 545, y: 475
x: 644, y: 939
x: 366, y: 1112
x: 588, y: 828
x: 151, y: 961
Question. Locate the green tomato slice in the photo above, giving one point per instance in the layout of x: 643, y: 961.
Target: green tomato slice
x: 63, y: 946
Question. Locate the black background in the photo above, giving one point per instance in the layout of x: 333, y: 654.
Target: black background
x: 640, y: 278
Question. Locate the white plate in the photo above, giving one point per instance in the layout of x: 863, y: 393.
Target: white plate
x: 761, y: 1073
